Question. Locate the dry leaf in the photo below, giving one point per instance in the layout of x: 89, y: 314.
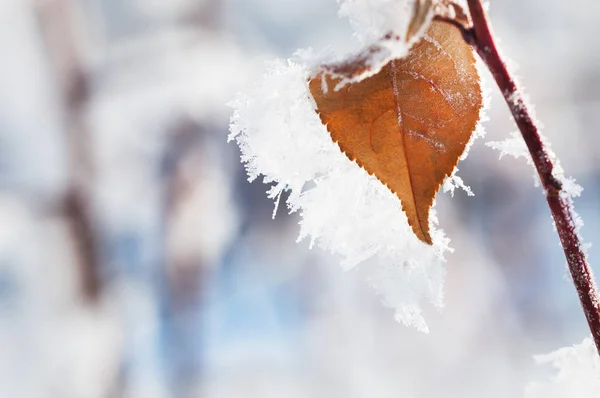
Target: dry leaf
x: 409, y: 123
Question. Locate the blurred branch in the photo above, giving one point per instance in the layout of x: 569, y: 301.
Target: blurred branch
x: 185, y: 139
x: 56, y: 19
x: 184, y: 268
x: 206, y: 15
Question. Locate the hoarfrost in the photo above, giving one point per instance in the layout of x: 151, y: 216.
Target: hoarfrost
x: 578, y: 373
x: 343, y: 209
x: 453, y: 182
x: 375, y: 18
x: 515, y: 146
x: 383, y: 24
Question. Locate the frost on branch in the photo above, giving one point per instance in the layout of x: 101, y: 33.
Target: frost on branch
x: 343, y: 209
x: 515, y: 147
x: 578, y: 373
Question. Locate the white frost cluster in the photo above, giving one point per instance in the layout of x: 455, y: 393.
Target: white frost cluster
x: 374, y: 18
x: 515, y: 146
x: 344, y: 209
x: 578, y: 373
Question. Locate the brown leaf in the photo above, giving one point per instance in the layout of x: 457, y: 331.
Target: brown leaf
x: 409, y: 123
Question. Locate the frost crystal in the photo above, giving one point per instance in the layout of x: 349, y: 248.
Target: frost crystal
x: 375, y: 18
x: 578, y: 373
x: 453, y: 182
x: 516, y: 147
x: 383, y: 24
x: 343, y: 209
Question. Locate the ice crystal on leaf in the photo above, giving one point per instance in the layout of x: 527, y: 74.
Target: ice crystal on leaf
x: 386, y: 28
x: 344, y: 209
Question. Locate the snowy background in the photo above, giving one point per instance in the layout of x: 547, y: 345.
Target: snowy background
x: 136, y: 260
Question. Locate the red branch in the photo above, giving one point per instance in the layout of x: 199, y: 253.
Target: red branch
x: 480, y: 37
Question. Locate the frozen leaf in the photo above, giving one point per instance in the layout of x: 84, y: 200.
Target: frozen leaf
x: 284, y: 143
x: 408, y: 124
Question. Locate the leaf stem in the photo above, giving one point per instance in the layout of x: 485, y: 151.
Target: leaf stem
x: 481, y: 38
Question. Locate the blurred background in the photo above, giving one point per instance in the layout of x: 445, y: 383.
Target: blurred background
x: 137, y: 261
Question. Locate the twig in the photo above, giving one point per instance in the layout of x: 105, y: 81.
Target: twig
x: 55, y: 18
x: 481, y: 38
